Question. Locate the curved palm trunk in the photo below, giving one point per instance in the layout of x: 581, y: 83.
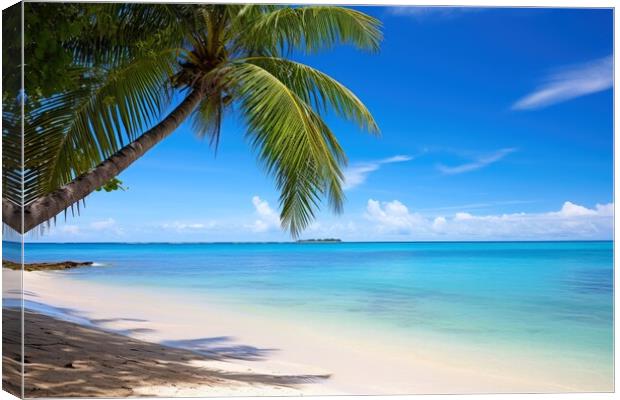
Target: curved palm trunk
x: 48, y: 206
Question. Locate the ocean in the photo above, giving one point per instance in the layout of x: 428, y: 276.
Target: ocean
x: 554, y: 299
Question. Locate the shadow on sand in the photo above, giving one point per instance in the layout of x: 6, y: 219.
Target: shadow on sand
x: 63, y: 359
x: 217, y: 348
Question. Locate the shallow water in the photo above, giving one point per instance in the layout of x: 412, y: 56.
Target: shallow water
x: 554, y: 298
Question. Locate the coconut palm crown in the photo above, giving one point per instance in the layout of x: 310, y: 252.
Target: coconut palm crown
x: 135, y: 62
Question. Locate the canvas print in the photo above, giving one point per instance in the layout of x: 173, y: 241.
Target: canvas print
x: 284, y: 200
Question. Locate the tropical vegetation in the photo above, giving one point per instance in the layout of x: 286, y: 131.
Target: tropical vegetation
x: 104, y: 83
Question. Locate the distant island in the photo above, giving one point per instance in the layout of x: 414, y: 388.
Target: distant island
x: 326, y: 240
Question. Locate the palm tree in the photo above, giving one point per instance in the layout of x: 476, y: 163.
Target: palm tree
x: 137, y: 60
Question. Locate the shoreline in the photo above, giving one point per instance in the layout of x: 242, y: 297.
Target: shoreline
x: 357, y: 363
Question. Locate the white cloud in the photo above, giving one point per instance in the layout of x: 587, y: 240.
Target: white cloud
x: 569, y: 83
x: 392, y: 216
x: 268, y: 218
x: 481, y: 162
x: 335, y: 228
x: 103, y: 224
x: 470, y: 206
x: 94, y: 229
x: 189, y: 227
x: 70, y: 229
x: 462, y: 216
x: 356, y: 174
x: 574, y: 210
x: 572, y: 221
x: 395, y: 159
x: 439, y: 223
x: 605, y: 209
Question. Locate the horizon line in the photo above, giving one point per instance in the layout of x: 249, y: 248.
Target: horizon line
x: 304, y: 242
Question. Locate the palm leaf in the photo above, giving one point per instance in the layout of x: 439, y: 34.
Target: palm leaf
x: 126, y: 69
x: 74, y: 131
x: 310, y: 29
x: 293, y: 143
x: 318, y: 89
x: 120, y: 32
x: 12, y: 169
x: 207, y: 120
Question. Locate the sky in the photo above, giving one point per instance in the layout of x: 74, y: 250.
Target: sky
x: 496, y: 124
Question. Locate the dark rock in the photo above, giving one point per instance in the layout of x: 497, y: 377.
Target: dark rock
x: 46, y: 266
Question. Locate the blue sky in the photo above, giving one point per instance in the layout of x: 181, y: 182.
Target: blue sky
x: 496, y: 124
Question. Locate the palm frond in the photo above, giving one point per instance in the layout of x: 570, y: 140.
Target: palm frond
x: 124, y: 65
x: 119, y: 32
x: 310, y: 29
x: 12, y: 169
x: 74, y: 131
x: 207, y: 120
x: 293, y: 143
x: 318, y: 89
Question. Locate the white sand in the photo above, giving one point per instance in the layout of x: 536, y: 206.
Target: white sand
x: 357, y: 362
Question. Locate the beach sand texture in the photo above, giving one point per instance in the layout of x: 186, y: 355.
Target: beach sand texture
x: 139, y: 343
x: 64, y: 359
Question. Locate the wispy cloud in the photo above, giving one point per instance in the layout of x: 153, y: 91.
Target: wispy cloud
x: 107, y: 225
x: 471, y: 206
x: 481, y: 162
x: 179, y: 226
x: 95, y: 229
x: 70, y: 229
x: 569, y: 83
x: 440, y: 12
x: 356, y: 174
x: 103, y: 224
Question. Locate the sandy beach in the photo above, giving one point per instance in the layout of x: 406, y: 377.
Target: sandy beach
x: 190, y: 350
x: 64, y: 359
x: 204, y: 199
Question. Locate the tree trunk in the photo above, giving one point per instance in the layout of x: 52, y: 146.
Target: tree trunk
x: 48, y: 206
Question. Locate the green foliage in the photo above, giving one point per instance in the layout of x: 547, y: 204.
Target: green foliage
x: 11, y: 104
x: 11, y: 54
x: 116, y: 67
x: 310, y: 29
x: 112, y: 185
x: 114, y: 85
x: 46, y: 29
x: 291, y: 138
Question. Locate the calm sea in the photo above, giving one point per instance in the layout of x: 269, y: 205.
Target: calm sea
x: 552, y: 296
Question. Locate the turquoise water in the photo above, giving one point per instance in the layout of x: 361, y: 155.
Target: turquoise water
x: 552, y: 296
